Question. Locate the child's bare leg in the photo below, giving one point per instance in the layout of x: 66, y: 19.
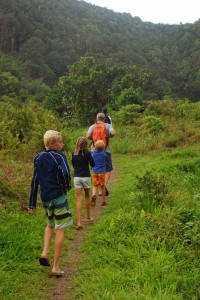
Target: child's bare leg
x: 107, y: 176
x: 103, y: 193
x: 48, y: 234
x: 94, y: 195
x: 58, y: 245
x: 87, y: 202
x: 79, y: 205
x: 94, y: 190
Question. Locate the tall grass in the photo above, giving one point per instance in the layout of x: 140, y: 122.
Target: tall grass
x: 21, y: 243
x: 137, y: 251
x: 146, y: 244
x: 20, y: 240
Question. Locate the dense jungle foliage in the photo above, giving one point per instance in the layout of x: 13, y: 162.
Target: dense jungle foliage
x: 40, y: 39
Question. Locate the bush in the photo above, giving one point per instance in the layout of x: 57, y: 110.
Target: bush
x: 128, y: 114
x: 152, y: 124
x: 151, y: 189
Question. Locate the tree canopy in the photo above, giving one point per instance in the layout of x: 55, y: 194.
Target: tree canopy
x: 90, y: 86
x: 49, y: 36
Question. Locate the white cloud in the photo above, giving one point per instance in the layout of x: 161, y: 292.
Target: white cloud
x: 156, y: 11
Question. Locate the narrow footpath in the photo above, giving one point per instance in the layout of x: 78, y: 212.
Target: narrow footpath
x: 72, y: 256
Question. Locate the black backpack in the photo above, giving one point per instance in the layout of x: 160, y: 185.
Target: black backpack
x: 108, y: 120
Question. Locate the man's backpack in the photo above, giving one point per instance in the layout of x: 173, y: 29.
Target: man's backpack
x: 108, y: 119
x: 99, y: 133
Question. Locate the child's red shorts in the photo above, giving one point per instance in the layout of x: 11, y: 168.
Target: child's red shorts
x: 98, y: 179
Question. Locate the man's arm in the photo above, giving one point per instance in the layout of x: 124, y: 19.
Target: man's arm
x: 89, y: 133
x: 112, y: 133
x: 89, y: 136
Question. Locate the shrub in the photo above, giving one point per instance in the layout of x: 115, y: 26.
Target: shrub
x: 152, y: 124
x: 190, y: 232
x: 128, y: 114
x: 192, y: 166
x: 178, y: 109
x: 151, y: 189
x: 171, y: 141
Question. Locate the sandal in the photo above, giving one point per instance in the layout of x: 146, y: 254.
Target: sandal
x: 44, y: 261
x: 79, y: 227
x: 106, y: 192
x: 93, y: 201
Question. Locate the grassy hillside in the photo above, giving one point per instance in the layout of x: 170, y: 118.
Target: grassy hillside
x: 146, y: 244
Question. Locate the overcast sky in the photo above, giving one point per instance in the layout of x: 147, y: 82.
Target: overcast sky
x: 156, y: 11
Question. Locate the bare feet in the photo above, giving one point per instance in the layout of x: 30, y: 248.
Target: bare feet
x: 90, y: 220
x: 79, y: 227
x: 58, y: 273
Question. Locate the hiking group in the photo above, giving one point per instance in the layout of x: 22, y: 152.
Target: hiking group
x: 52, y: 175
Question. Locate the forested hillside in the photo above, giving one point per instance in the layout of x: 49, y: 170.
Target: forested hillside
x: 61, y: 62
x: 48, y: 36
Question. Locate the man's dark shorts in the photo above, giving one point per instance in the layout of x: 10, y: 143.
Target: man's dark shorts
x: 109, y: 166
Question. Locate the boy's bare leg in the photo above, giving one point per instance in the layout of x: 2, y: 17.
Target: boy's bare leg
x: 94, y: 190
x: 107, y: 176
x: 79, y: 205
x: 87, y: 202
x: 58, y: 245
x: 48, y: 234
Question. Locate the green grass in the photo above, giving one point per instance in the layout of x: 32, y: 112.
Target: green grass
x: 146, y: 244
x: 141, y: 248
x: 136, y: 253
x: 21, y: 243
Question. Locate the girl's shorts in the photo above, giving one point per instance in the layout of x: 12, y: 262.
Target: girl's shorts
x: 58, y: 212
x: 98, y: 179
x: 82, y: 182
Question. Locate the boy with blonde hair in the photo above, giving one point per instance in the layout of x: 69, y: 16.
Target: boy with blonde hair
x: 98, y: 171
x: 52, y: 174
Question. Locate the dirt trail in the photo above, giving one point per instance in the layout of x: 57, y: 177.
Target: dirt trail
x: 64, y: 285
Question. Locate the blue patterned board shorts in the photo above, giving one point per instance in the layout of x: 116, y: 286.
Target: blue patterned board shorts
x: 58, y: 212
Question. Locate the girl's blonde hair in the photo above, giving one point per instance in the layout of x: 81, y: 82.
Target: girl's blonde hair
x: 99, y: 145
x: 50, y: 137
x: 81, y: 143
